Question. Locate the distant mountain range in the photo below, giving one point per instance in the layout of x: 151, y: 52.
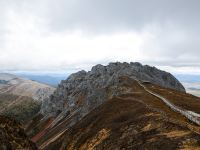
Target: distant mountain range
x: 188, y: 78
x: 21, y: 98
x: 52, y: 80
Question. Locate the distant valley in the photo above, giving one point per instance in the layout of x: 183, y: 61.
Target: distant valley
x: 191, y: 83
x: 51, y: 79
x: 192, y: 88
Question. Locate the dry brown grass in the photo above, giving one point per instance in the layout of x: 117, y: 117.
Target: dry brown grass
x: 173, y: 134
x: 13, y: 137
x: 180, y: 99
x: 133, y: 120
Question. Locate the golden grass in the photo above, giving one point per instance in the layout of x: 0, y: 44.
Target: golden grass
x: 176, y: 133
x: 189, y: 144
x: 96, y: 140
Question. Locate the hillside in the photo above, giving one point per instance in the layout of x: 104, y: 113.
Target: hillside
x: 21, y: 98
x: 134, y: 119
x: 24, y: 87
x: 118, y: 108
x: 12, y: 136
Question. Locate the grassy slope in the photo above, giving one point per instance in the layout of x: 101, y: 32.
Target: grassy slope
x: 183, y: 100
x: 19, y: 107
x: 129, y: 124
x: 133, y: 120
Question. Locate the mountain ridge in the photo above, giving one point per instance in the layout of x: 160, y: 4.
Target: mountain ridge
x: 100, y: 77
x: 118, y: 106
x: 24, y: 87
x: 132, y: 119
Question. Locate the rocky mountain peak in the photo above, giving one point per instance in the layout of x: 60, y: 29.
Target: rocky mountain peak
x: 86, y: 90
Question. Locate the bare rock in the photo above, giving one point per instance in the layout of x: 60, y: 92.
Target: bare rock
x: 87, y: 90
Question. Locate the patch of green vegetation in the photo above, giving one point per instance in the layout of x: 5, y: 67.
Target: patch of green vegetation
x: 5, y: 99
x: 23, y: 110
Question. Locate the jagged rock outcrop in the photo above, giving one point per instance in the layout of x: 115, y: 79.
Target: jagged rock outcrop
x: 86, y: 90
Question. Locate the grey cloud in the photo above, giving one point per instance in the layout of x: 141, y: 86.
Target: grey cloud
x: 176, y: 41
x: 117, y: 14
x: 105, y: 15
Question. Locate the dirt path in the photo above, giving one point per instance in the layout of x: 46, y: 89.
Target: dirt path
x: 192, y: 116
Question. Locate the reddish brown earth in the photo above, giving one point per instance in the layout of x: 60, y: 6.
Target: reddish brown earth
x: 13, y: 137
x: 43, y: 132
x: 135, y: 119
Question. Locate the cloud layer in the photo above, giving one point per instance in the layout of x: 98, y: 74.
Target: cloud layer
x: 62, y: 35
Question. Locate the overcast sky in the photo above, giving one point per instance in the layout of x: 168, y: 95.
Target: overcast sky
x: 68, y: 35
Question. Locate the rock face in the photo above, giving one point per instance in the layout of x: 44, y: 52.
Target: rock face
x: 86, y: 90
